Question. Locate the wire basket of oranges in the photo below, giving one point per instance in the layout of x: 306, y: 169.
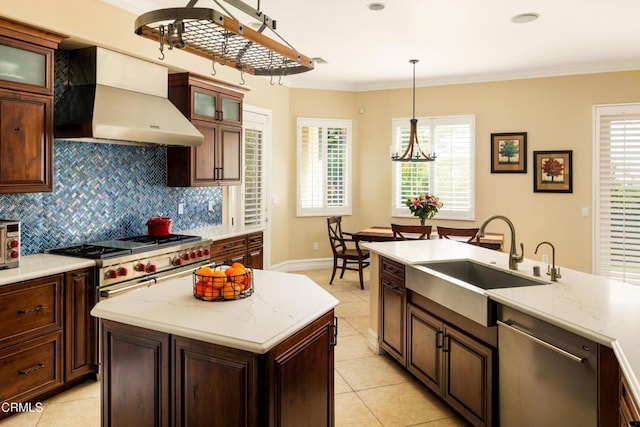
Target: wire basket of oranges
x: 222, y: 282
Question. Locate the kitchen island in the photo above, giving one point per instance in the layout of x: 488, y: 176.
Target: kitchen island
x: 170, y: 359
x: 597, y: 308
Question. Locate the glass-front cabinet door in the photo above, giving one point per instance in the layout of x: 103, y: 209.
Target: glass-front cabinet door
x: 205, y: 105
x: 231, y: 110
x: 216, y: 106
x: 25, y: 67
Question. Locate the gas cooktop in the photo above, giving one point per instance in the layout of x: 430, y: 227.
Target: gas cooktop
x: 124, y: 246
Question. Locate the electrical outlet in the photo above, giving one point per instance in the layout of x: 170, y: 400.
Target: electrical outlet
x: 315, y: 246
x: 210, y: 206
x: 180, y: 208
x: 545, y: 259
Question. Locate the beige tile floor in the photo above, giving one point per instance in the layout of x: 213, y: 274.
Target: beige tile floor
x: 370, y: 390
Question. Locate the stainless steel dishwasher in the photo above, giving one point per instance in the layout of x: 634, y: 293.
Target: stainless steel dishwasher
x: 547, y: 376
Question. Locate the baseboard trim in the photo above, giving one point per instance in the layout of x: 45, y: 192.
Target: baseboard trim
x: 303, y: 264
x: 372, y: 342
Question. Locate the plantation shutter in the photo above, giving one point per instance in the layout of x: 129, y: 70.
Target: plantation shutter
x: 253, y: 177
x: 324, y: 172
x: 450, y: 177
x: 617, y: 195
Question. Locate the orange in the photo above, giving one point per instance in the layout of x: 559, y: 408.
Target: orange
x: 248, y: 279
x: 235, y: 274
x: 211, y: 293
x: 205, y: 271
x: 219, y: 279
x: 238, y: 265
x: 231, y: 290
x: 199, y: 288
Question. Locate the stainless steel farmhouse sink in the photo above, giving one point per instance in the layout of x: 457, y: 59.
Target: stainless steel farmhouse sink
x: 460, y: 284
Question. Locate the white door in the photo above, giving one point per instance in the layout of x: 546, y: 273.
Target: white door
x: 249, y: 202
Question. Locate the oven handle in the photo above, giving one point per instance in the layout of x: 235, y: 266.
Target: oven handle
x: 183, y: 272
x: 105, y: 293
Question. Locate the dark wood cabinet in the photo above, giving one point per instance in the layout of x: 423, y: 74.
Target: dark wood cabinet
x: 201, y: 384
x: 468, y: 376
x: 392, y: 336
x: 31, y: 339
x: 453, y: 356
x: 31, y: 368
x: 217, y: 113
x: 255, y: 250
x: 300, y: 375
x: 214, y: 385
x: 47, y: 337
x: 135, y: 369
x: 246, y: 249
x: 453, y: 364
x: 26, y: 108
x: 79, y: 324
x: 424, y: 352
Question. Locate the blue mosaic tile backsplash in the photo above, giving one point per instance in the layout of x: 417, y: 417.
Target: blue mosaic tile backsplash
x: 104, y: 191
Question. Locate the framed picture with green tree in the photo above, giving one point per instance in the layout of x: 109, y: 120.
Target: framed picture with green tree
x: 509, y: 152
x: 553, y: 171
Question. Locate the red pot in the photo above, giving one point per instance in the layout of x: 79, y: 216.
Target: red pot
x: 159, y: 226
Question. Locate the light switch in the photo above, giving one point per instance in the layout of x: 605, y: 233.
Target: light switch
x: 585, y: 211
x: 180, y: 208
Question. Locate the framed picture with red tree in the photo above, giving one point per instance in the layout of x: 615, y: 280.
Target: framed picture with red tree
x: 553, y: 171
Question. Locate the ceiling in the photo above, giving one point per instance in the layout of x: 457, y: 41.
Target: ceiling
x: 455, y: 41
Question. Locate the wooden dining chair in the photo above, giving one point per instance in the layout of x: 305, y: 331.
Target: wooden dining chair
x: 347, y: 253
x: 403, y: 232
x: 469, y: 233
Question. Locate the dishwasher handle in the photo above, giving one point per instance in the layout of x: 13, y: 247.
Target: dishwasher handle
x: 509, y: 324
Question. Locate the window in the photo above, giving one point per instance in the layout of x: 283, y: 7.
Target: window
x: 324, y: 168
x: 450, y: 177
x: 617, y: 192
x: 253, y: 176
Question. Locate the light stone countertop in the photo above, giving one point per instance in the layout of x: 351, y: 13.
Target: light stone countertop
x: 281, y: 305
x: 41, y: 265
x: 598, y: 308
x: 219, y: 231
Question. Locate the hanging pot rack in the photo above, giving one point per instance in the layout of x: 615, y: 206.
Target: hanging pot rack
x: 223, y: 39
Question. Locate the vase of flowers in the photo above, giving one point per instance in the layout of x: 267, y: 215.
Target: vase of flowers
x: 424, y: 206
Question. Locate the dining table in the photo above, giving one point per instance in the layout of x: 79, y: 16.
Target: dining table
x: 384, y: 234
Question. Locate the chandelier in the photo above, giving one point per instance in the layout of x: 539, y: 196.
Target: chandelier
x: 222, y: 39
x: 413, y: 152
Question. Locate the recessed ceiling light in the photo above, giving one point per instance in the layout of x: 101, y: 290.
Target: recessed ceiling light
x: 376, y: 6
x: 523, y: 18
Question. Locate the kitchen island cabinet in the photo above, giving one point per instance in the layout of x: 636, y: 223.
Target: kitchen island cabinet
x: 599, y: 309
x: 243, y: 362
x: 392, y: 309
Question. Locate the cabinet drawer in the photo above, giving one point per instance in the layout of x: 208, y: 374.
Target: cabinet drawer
x: 254, y: 240
x: 230, y: 245
x: 30, y: 308
x: 31, y: 368
x: 393, y: 270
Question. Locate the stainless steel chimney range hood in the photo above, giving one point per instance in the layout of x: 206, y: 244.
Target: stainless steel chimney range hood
x: 118, y: 99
